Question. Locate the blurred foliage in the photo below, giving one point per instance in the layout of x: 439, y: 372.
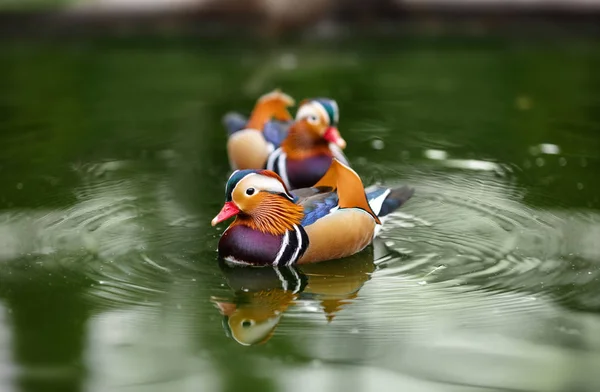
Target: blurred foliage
x: 477, y: 99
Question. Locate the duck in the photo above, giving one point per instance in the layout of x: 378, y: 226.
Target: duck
x: 261, y: 296
x: 251, y: 140
x: 308, y: 149
x: 269, y: 138
x: 273, y: 226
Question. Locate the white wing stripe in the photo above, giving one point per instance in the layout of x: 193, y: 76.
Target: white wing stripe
x: 377, y: 203
x: 284, y: 245
x: 282, y: 169
x: 298, y: 247
x: 272, y: 158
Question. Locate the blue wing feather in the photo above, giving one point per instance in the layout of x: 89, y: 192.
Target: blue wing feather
x: 275, y: 131
x: 234, y: 122
x: 318, y: 206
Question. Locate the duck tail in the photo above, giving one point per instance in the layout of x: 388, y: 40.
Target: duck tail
x: 395, y: 199
x: 384, y: 201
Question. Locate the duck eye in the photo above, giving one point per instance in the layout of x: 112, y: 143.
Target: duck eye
x: 247, y: 323
x: 250, y: 191
x: 313, y: 119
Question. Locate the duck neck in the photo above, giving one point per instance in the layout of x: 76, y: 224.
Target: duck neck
x: 274, y: 218
x: 302, y: 145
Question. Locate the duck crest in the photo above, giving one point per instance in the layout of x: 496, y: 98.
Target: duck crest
x: 241, y: 244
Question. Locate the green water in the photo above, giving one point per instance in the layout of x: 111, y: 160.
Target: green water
x: 112, y: 164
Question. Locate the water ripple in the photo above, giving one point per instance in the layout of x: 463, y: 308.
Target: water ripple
x: 120, y: 235
x: 478, y: 232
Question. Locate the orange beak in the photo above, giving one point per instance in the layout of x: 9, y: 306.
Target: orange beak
x: 228, y: 210
x: 332, y: 135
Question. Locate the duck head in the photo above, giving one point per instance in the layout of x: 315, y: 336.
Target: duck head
x: 259, y: 199
x: 311, y: 135
x: 254, y: 318
x: 326, y: 112
x: 273, y: 105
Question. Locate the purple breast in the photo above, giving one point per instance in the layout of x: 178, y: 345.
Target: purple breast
x: 243, y: 244
x: 307, y: 172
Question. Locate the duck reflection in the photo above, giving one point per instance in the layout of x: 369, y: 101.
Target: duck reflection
x: 262, y: 295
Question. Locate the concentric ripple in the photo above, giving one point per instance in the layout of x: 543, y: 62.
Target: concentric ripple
x: 474, y: 229
x: 124, y: 235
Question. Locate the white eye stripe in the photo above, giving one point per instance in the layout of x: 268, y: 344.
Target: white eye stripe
x: 312, y: 109
x: 306, y: 110
x: 261, y: 183
x: 264, y: 183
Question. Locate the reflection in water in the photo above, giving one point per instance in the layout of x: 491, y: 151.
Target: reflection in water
x: 48, y: 320
x: 262, y: 295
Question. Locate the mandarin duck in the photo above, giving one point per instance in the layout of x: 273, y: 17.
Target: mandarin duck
x: 268, y: 140
x: 270, y: 115
x: 252, y: 139
x: 336, y: 218
x: 308, y: 150
x: 263, y: 295
x: 327, y: 112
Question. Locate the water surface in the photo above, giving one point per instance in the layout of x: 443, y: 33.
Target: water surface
x: 112, y: 164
